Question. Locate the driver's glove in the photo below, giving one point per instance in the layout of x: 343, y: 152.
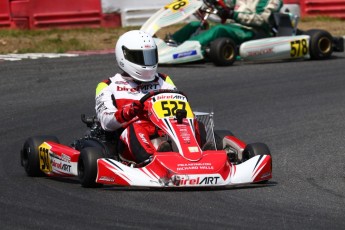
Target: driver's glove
x: 226, y: 14
x: 128, y: 112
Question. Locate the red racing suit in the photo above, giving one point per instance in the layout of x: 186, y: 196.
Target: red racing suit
x: 119, y: 91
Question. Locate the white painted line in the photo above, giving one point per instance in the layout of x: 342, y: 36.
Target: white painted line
x: 17, y: 57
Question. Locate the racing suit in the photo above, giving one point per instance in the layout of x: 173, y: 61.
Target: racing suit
x: 119, y: 91
x: 252, y: 17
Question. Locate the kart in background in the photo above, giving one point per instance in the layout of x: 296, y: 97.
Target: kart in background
x: 288, y: 43
x: 224, y: 160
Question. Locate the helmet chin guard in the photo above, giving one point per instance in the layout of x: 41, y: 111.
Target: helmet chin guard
x: 136, y: 54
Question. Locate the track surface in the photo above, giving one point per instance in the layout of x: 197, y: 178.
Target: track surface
x: 297, y: 108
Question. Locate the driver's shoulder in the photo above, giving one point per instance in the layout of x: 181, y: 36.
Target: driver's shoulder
x: 166, y: 78
x: 104, y: 84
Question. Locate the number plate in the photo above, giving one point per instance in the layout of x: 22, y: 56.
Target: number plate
x: 166, y: 107
x: 45, y: 164
x: 177, y: 5
x: 299, y: 48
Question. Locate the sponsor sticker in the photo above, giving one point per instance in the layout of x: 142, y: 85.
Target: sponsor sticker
x: 195, y: 180
x: 193, y: 149
x: 106, y: 178
x: 184, y: 54
x: 195, y: 166
x: 59, y: 165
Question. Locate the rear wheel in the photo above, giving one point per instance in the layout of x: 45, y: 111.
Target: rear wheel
x: 29, y: 155
x: 219, y: 137
x: 223, y: 51
x: 87, y: 166
x: 320, y: 45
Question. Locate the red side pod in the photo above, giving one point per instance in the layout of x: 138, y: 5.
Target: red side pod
x: 263, y: 170
x: 66, y: 153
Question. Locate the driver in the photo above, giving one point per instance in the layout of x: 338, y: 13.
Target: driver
x: 253, y: 20
x: 117, y: 98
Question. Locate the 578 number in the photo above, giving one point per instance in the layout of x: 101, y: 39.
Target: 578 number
x: 170, y: 107
x: 299, y: 48
x: 177, y: 4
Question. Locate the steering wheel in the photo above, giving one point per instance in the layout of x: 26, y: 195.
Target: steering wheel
x: 149, y: 95
x: 159, y: 91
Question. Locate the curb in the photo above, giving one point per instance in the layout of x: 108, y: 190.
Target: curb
x: 18, y: 57
x: 91, y: 52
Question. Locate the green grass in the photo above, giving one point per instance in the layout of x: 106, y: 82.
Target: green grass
x: 59, y: 40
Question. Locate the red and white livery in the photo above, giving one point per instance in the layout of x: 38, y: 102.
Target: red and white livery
x: 230, y: 162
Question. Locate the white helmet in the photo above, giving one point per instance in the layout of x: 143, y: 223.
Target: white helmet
x: 136, y: 54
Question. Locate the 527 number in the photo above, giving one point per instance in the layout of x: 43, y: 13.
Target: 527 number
x: 299, y: 48
x: 170, y: 107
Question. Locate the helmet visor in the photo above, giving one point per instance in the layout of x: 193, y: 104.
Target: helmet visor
x: 147, y: 57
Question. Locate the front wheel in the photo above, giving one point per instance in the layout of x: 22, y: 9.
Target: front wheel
x: 29, y: 155
x: 223, y: 52
x: 255, y: 149
x: 87, y: 166
x: 320, y: 44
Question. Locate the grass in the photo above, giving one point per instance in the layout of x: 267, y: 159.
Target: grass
x: 58, y: 40
x: 83, y: 39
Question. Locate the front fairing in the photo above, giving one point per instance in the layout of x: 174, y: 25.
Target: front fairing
x: 162, y: 112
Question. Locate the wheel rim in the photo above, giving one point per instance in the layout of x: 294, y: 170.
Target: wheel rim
x: 228, y: 52
x: 325, y: 45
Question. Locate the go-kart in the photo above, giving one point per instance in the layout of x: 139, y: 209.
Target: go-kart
x: 218, y: 159
x: 288, y: 41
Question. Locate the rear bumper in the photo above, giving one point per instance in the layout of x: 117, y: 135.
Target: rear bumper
x: 338, y: 44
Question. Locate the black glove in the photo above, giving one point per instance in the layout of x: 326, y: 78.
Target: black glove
x: 226, y: 14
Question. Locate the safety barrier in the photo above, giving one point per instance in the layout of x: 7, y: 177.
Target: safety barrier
x: 5, y: 20
x: 32, y: 14
x: 136, y: 16
x: 332, y: 8
x: 135, y: 12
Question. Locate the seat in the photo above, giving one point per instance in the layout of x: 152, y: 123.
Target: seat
x: 282, y: 25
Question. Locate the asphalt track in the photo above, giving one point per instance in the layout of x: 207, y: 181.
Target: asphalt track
x: 296, y: 108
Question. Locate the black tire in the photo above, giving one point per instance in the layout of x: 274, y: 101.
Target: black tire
x: 320, y: 44
x: 29, y: 155
x: 219, y: 136
x: 255, y: 149
x: 223, y: 52
x: 87, y: 167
